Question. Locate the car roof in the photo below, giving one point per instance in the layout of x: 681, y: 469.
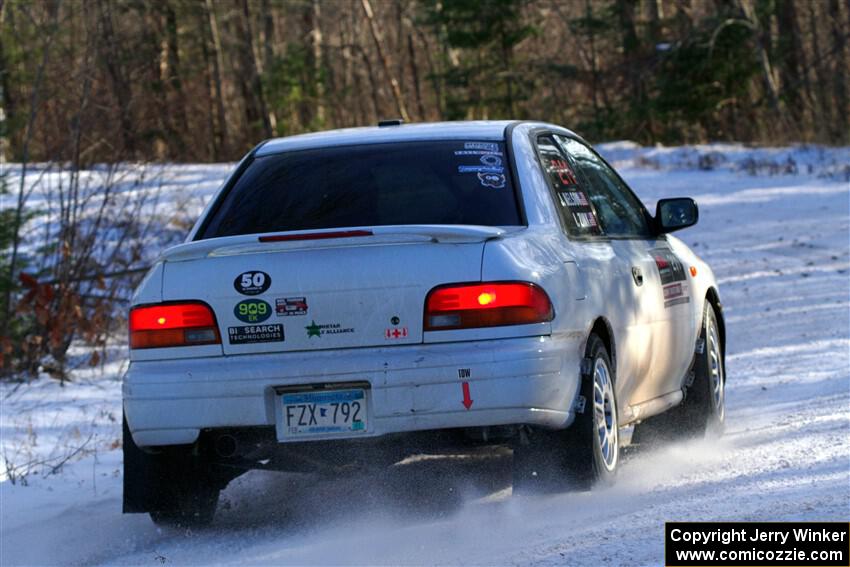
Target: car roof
x: 460, y: 130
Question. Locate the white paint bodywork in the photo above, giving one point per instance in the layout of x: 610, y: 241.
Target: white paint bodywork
x: 526, y: 374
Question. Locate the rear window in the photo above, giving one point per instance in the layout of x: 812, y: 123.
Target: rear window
x: 445, y: 182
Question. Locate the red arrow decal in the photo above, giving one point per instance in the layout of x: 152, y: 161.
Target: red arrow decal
x: 467, y: 401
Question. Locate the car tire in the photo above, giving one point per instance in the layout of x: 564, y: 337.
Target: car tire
x: 586, y: 453
x: 704, y: 407
x: 703, y: 411
x: 174, y: 485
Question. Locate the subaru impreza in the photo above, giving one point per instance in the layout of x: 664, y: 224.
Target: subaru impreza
x: 357, y: 295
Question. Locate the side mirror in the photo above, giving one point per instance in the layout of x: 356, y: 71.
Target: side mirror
x: 675, y: 214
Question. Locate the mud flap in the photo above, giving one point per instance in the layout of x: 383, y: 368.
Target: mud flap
x: 154, y: 481
x: 142, y: 477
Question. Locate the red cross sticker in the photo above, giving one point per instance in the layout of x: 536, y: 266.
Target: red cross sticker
x: 395, y: 333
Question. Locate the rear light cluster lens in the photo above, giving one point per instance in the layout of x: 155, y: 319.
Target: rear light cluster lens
x: 467, y: 306
x: 173, y: 324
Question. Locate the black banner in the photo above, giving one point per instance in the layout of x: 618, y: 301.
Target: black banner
x: 255, y: 334
x: 763, y: 544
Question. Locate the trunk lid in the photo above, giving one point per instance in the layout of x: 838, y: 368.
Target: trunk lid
x: 323, y: 290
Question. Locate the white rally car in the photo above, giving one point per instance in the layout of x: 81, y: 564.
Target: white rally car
x: 417, y: 286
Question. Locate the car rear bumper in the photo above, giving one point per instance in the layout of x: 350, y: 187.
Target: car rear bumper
x: 532, y: 380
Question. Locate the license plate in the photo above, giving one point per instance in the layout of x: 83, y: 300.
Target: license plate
x: 329, y: 412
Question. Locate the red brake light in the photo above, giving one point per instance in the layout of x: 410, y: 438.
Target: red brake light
x: 315, y: 235
x: 173, y: 324
x: 468, y: 306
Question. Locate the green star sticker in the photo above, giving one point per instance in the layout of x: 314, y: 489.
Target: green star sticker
x: 313, y: 330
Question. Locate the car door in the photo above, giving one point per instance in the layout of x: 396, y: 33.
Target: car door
x: 604, y: 265
x: 660, y: 288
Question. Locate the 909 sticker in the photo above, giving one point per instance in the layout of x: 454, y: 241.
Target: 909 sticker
x: 252, y: 311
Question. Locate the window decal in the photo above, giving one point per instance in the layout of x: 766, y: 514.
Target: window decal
x: 489, y: 168
x: 571, y: 196
x: 585, y: 220
x: 494, y: 180
x: 489, y: 146
x: 564, y: 172
x: 573, y: 199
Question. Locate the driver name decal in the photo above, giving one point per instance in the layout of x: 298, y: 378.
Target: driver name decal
x: 673, y: 277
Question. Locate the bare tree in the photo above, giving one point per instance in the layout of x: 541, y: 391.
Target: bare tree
x: 222, y: 133
x: 7, y: 103
x: 24, y: 192
x: 790, y: 60
x: 267, y: 41
x: 377, y: 38
x: 251, y: 86
x: 839, y: 38
x: 318, y: 83
x: 204, y: 80
x: 120, y: 82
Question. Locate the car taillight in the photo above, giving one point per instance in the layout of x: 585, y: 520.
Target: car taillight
x: 315, y: 235
x: 173, y: 324
x: 465, y: 306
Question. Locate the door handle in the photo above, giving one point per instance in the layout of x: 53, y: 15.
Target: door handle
x: 637, y: 275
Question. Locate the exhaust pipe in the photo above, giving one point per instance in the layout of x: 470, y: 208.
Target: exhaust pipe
x: 226, y: 446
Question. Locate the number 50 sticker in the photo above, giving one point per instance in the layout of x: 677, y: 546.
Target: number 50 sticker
x: 252, y: 283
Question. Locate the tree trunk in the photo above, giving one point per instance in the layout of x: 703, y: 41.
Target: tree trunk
x: 764, y: 57
x: 788, y: 55
x: 354, y: 112
x: 119, y: 82
x: 256, y: 112
x: 595, y: 83
x: 7, y: 100
x: 376, y: 37
x: 318, y: 79
x: 267, y: 41
x: 684, y: 20
x: 631, y: 62
x: 399, y: 49
x: 414, y: 71
x: 213, y: 136
x: 218, y: 67
x: 839, y: 40
x: 154, y: 47
x: 373, y: 84
x: 172, y: 77
x: 434, y: 73
x: 369, y: 118
x: 656, y: 17
x: 823, y: 114
x: 35, y: 100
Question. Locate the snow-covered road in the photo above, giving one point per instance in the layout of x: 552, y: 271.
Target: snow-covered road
x: 780, y: 247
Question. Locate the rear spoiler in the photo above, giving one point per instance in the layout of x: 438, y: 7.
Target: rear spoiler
x: 333, y: 238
